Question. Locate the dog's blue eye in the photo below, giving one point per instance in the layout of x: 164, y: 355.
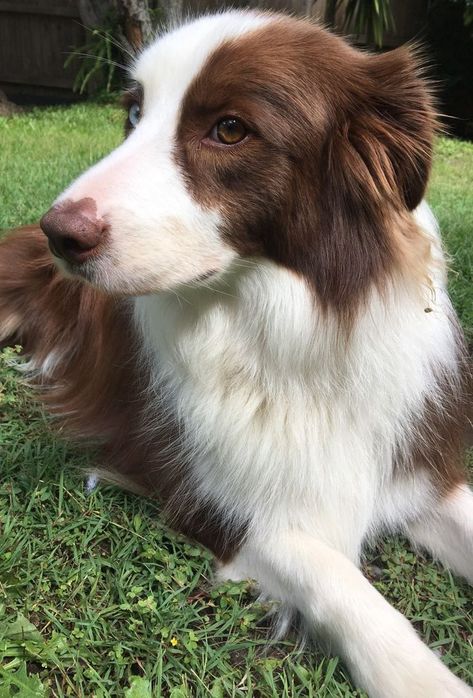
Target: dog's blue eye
x: 134, y: 114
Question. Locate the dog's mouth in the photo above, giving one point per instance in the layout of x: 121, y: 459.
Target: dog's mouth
x: 104, y: 272
x: 70, y: 247
x: 80, y: 270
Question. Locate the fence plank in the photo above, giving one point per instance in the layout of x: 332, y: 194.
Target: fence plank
x: 34, y: 47
x: 61, y: 8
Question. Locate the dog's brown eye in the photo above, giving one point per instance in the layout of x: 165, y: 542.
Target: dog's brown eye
x: 229, y: 131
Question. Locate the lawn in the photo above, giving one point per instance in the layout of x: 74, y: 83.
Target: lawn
x: 97, y: 597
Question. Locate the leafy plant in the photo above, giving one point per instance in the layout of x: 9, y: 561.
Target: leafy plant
x: 467, y: 11
x: 101, y: 59
x: 115, y: 34
x: 19, y: 685
x: 370, y: 17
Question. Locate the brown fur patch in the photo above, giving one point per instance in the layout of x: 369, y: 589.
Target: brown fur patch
x: 98, y: 386
x: 339, y: 152
x: 441, y: 430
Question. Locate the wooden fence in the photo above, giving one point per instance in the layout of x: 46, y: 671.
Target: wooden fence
x: 36, y: 37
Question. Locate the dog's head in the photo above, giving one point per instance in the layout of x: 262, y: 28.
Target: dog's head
x: 256, y: 135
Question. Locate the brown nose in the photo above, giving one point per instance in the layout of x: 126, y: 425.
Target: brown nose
x: 73, y: 229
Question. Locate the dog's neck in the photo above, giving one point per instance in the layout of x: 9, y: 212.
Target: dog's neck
x: 262, y: 322
x: 257, y: 311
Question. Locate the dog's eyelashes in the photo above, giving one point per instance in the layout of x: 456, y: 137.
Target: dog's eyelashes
x: 229, y: 131
x: 134, y: 114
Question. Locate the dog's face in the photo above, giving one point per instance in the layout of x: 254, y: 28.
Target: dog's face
x: 251, y: 135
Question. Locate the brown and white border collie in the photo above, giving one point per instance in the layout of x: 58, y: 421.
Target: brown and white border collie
x: 264, y: 339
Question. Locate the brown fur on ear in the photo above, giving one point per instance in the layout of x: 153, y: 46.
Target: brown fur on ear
x: 394, y: 124
x: 373, y: 170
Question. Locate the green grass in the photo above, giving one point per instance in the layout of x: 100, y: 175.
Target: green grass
x: 97, y: 597
x: 451, y: 197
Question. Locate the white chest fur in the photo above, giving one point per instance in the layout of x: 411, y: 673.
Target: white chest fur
x: 288, y: 423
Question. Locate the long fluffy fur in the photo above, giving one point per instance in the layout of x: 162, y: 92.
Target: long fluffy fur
x: 268, y: 345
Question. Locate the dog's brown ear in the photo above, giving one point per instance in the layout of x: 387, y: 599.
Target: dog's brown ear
x: 394, y: 125
x: 373, y: 168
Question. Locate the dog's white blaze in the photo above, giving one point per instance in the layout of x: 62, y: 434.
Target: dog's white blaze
x: 159, y: 235
x: 169, y: 66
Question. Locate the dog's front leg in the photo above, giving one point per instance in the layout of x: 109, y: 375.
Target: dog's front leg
x: 447, y: 532
x: 381, y: 648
